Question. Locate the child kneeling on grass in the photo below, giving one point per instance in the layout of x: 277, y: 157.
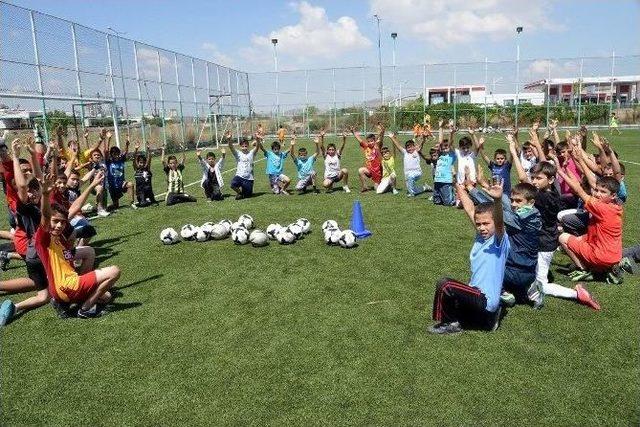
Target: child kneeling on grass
x: 66, y: 286
x: 477, y: 305
x: 175, y: 183
x: 211, y: 181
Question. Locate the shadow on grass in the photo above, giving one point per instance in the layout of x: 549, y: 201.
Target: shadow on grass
x: 109, y: 243
x: 139, y: 282
x: 119, y: 306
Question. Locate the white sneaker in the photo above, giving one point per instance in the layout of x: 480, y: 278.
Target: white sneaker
x: 395, y: 191
x: 134, y: 205
x: 103, y: 213
x: 426, y: 187
x: 346, y: 189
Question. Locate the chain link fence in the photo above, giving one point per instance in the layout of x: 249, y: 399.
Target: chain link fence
x: 496, y: 94
x: 55, y: 72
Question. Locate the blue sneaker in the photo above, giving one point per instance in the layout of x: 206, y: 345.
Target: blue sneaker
x: 7, y: 310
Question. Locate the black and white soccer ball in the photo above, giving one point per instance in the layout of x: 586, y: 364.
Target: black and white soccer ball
x: 295, y: 229
x: 348, y: 239
x: 332, y: 236
x: 258, y: 238
x: 236, y: 225
x: 219, y: 232
x: 329, y: 224
x: 285, y: 237
x: 207, y: 227
x: 201, y: 235
x: 247, y: 220
x: 169, y: 236
x: 240, y: 236
x: 188, y: 232
x: 226, y: 224
x: 273, y: 230
x: 305, y: 225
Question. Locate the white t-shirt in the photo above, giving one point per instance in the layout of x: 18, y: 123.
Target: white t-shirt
x: 528, y: 164
x: 411, y: 162
x: 244, y: 167
x: 332, y: 165
x: 468, y: 160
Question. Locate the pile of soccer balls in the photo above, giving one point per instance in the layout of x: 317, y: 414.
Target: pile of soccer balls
x: 334, y: 236
x: 242, y: 231
x: 288, y: 234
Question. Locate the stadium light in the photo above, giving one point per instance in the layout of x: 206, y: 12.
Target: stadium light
x: 380, y: 60
x: 518, y: 31
x: 274, y: 41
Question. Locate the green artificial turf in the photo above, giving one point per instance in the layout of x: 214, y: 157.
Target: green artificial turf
x: 214, y: 333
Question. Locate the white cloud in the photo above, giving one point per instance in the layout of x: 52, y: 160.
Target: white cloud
x: 447, y: 22
x: 217, y: 56
x: 314, y: 36
x: 539, y: 69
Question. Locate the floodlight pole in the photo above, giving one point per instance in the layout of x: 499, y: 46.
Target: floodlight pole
x: 394, y: 36
x: 380, y: 60
x: 124, y: 92
x: 518, y: 31
x: 275, y: 65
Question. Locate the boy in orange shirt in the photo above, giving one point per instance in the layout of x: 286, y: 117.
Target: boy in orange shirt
x: 281, y: 134
x: 601, y: 248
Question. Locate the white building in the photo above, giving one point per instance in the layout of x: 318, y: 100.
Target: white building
x: 477, y: 94
x: 18, y: 119
x: 592, y: 90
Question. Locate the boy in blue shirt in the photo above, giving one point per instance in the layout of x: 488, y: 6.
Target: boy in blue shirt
x: 476, y: 305
x: 275, y: 165
x: 443, y: 175
x: 115, y: 176
x: 304, y: 164
x: 499, y: 166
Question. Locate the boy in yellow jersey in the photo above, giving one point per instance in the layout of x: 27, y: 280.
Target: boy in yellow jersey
x: 66, y: 286
x: 281, y: 134
x: 388, y: 173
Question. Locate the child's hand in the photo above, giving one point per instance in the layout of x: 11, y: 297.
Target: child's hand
x: 109, y: 134
x: 103, y: 132
x: 495, y: 189
x: 343, y: 135
x: 16, y: 146
x: 510, y: 138
x: 352, y: 129
x: 471, y: 131
x: 451, y: 124
x: 322, y: 132
x: 227, y: 134
x: 31, y: 145
x: 86, y: 134
x: 198, y: 152
x: 392, y: 135
x: 127, y: 142
x: 554, y: 124
x: 47, y: 183
x: 535, y: 126
x: 481, y: 143
x: 137, y: 146
x: 316, y: 140
x: 293, y: 142
x: 223, y: 151
x: 98, y: 178
x: 596, y: 140
x: 59, y: 131
x: 440, y: 123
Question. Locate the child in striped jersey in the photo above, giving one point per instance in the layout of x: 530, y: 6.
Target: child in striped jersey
x: 175, y: 184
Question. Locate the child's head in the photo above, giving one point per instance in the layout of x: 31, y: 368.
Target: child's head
x: 543, y: 175
x: 483, y: 219
x: 4, y: 151
x: 607, y: 188
x: 61, y: 181
x: 386, y: 154
x: 527, y: 151
x: 211, y: 158
x: 522, y: 195
x: 607, y: 170
x: 302, y: 153
x: 410, y: 146
x: 172, y: 162
x: 562, y: 151
x: 331, y: 149
x: 465, y: 145
x: 25, y: 167
x: 34, y: 191
x: 141, y: 161
x: 275, y: 147
x: 371, y: 139
x: 59, y: 219
x: 74, y: 179
x: 500, y: 156
x: 433, y: 154
x: 547, y: 145
x: 445, y: 147
x: 244, y: 145
x: 114, y: 153
x: 96, y: 156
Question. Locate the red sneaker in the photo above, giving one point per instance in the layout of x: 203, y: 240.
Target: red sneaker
x: 584, y: 297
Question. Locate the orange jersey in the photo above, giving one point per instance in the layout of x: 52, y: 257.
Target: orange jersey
x: 281, y: 134
x: 57, y: 256
x: 417, y: 130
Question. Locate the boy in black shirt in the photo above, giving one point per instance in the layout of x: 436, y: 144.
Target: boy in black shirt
x: 142, y: 175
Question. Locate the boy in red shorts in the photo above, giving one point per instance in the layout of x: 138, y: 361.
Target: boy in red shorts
x: 66, y: 286
x: 371, y: 147
x: 601, y: 248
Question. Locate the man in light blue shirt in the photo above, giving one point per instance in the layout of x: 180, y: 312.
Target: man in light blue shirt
x: 304, y: 164
x: 476, y: 305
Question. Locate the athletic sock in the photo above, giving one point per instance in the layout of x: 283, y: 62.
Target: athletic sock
x: 558, y: 291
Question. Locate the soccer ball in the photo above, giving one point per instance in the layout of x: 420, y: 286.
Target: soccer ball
x: 258, y: 238
x: 240, y: 236
x: 88, y: 208
x: 304, y: 224
x: 285, y: 237
x: 247, y: 220
x: 219, y: 232
x: 207, y: 228
x: 332, y: 236
x: 329, y: 224
x: 226, y: 224
x: 237, y: 225
x: 347, y: 239
x: 295, y: 229
x: 272, y: 230
x: 188, y: 232
x: 169, y: 236
x: 201, y: 235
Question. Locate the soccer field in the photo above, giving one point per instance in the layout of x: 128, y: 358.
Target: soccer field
x: 307, y: 334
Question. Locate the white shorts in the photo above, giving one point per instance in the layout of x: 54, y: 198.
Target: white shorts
x: 386, y: 183
x: 305, y: 182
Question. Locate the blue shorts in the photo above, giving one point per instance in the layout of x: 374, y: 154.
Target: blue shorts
x: 245, y: 184
x: 517, y: 281
x: 82, y: 227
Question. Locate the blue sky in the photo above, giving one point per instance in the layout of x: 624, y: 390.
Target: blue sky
x: 331, y: 33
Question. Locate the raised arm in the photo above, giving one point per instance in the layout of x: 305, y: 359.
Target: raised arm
x: 47, y: 185
x: 578, y: 156
x: 136, y: 148
x: 70, y: 164
x: 495, y: 191
x: 292, y: 149
x: 162, y: 160
x: 474, y: 139
x: 344, y: 142
x: 522, y: 175
x: 126, y: 148
x: 76, y: 206
x: 575, y: 186
x: 317, y: 143
x: 615, y: 165
x: 481, y: 151
x: 227, y: 137
x: 380, y: 139
x: 20, y: 179
x: 440, y: 132
x: 394, y: 138
x: 356, y: 135
x: 35, y: 164
x: 467, y: 203
x: 554, y: 131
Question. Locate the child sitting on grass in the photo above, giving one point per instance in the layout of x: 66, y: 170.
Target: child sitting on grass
x: 278, y: 181
x: 304, y: 164
x: 333, y: 173
x: 372, y: 168
x: 500, y: 166
x: 115, y: 176
x: 211, y: 181
x: 457, y: 305
x: 411, y: 157
x: 600, y: 249
x: 388, y: 181
x: 142, y: 175
x: 242, y: 182
x: 444, y: 170
x: 175, y: 184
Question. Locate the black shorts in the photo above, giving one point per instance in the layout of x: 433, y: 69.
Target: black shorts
x: 116, y: 193
x: 36, y: 272
x: 334, y: 179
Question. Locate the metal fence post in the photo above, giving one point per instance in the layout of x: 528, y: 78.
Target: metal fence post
x: 196, y: 119
x: 164, y: 121
x: 114, y: 105
x: 580, y: 90
x: 142, y: 127
x: 175, y: 66
x: 335, y: 111
x: 486, y: 83
x: 39, y: 68
x: 364, y: 99
x: 124, y: 90
x: 424, y: 92
x: 76, y: 64
x: 306, y: 101
x: 613, y: 65
x: 455, y: 92
x: 548, y: 92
